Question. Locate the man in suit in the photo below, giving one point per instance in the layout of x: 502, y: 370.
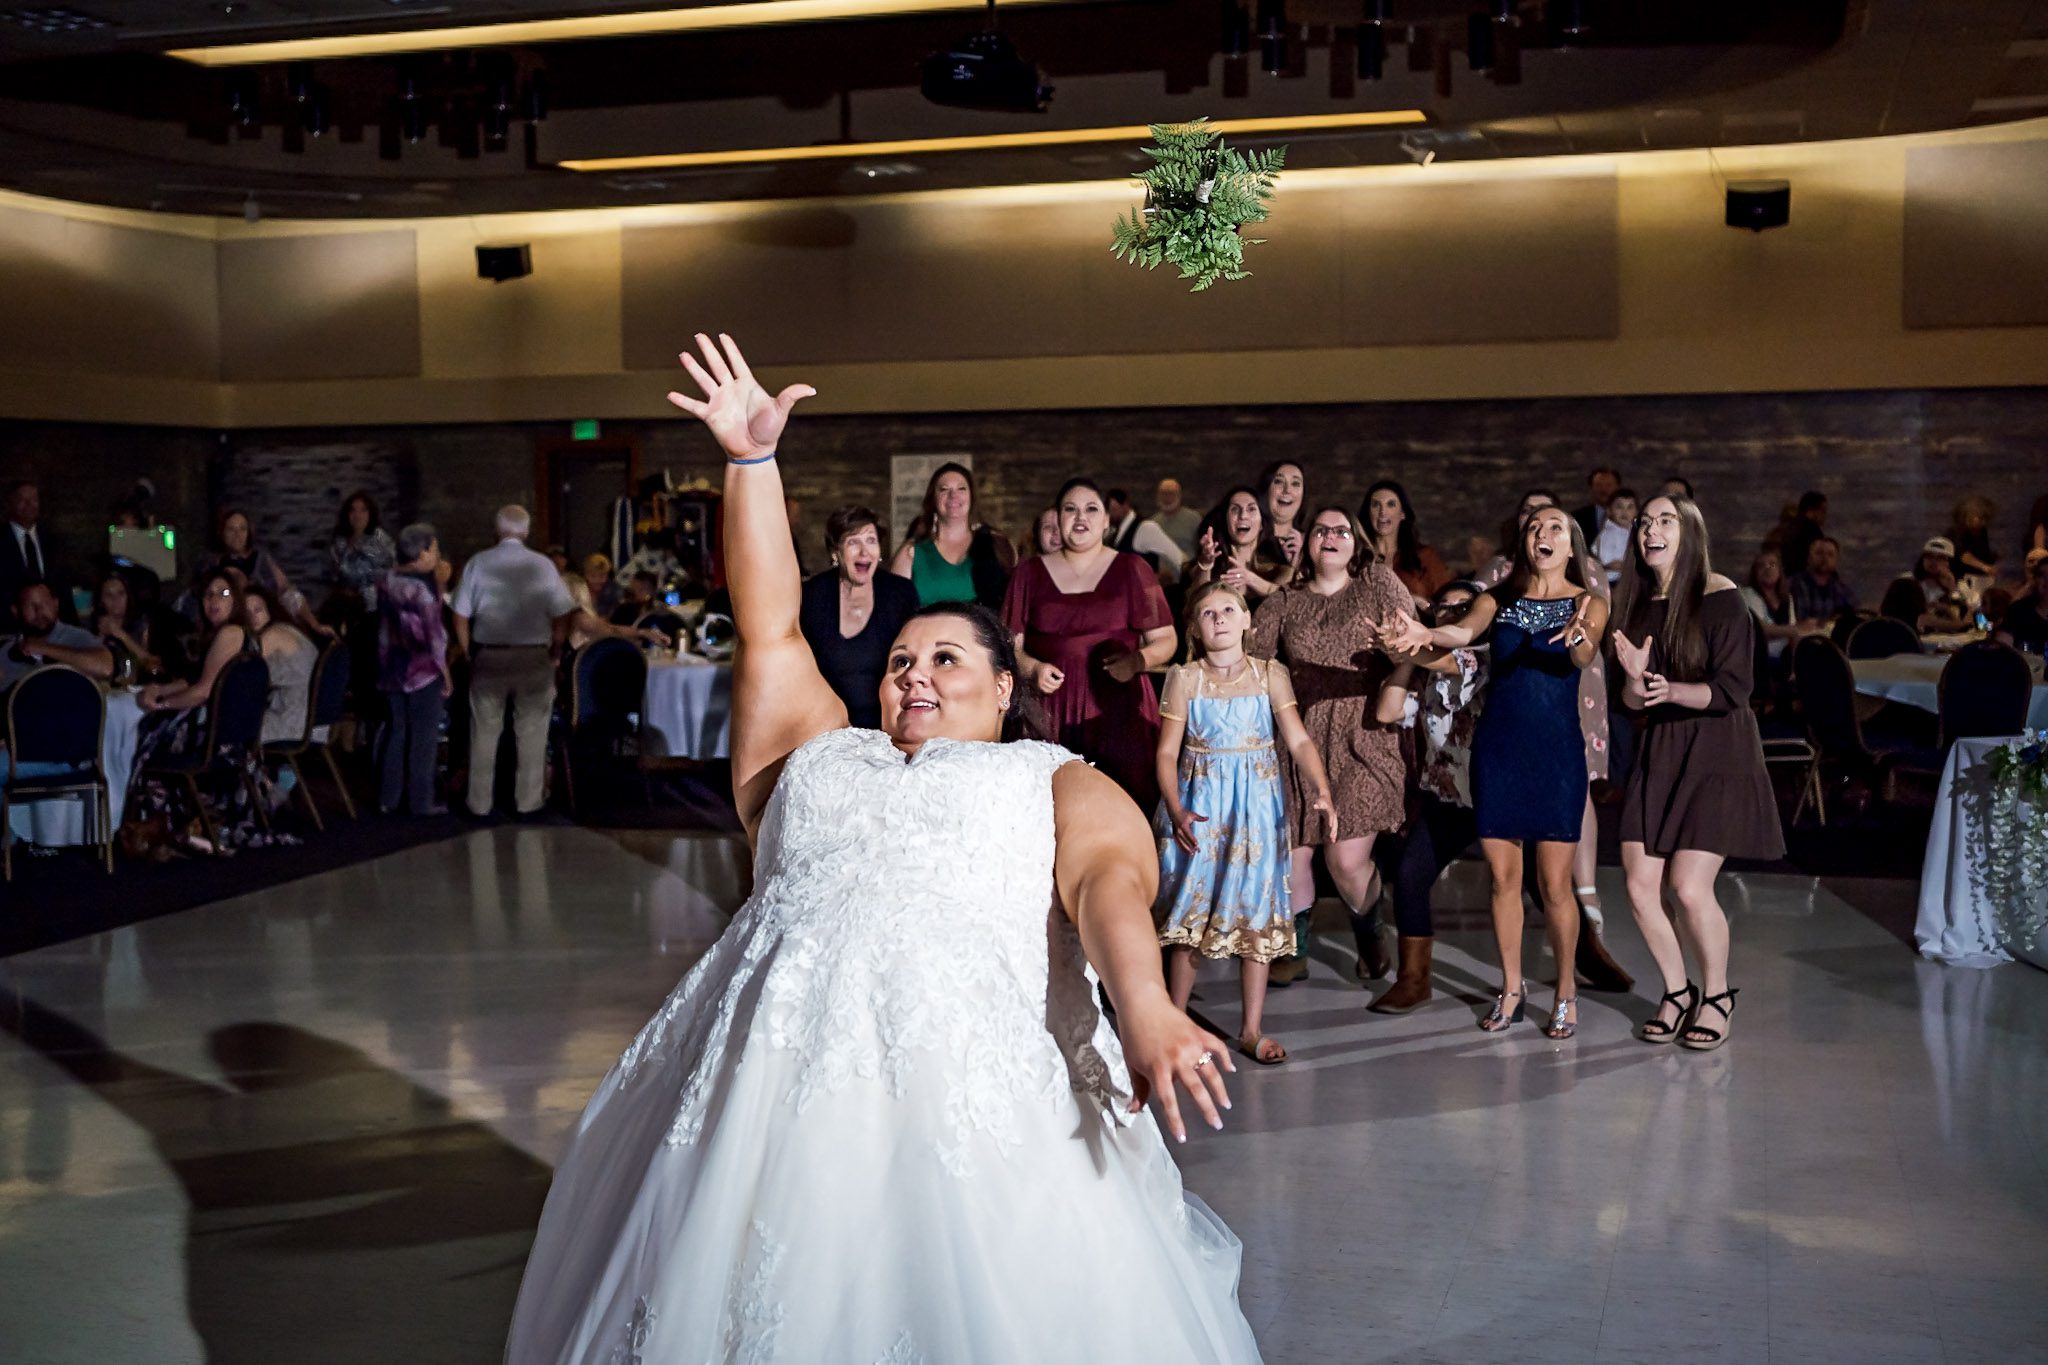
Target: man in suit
x: 25, y: 552
x: 1600, y: 485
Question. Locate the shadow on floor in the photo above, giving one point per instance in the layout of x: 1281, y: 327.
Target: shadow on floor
x: 338, y: 1212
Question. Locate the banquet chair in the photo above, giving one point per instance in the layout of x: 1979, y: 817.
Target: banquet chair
x: 1985, y: 690
x: 326, y: 700
x: 1881, y: 637
x: 607, y: 684
x: 1827, y: 697
x: 56, y: 724
x: 1846, y: 624
x: 669, y: 623
x: 234, y: 727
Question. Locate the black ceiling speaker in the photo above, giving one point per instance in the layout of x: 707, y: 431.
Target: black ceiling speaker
x: 501, y: 263
x: 985, y: 71
x: 1759, y: 204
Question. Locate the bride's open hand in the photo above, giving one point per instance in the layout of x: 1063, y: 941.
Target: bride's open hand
x: 1165, y: 1048
x: 741, y: 415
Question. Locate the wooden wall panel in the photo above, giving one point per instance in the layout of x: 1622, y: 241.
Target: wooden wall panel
x: 89, y: 297
x: 1976, y: 250
x: 320, y: 306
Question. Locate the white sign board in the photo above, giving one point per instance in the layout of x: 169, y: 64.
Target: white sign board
x: 908, y: 475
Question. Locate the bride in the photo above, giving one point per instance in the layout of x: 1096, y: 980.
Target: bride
x: 883, y: 1121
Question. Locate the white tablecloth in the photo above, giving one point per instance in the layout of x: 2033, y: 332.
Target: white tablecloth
x: 1957, y: 923
x: 56, y: 822
x: 1915, y: 680
x: 687, y: 710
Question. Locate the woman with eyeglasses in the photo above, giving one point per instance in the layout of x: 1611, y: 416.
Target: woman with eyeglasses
x: 1699, y: 793
x: 1528, y: 757
x: 1437, y: 696
x: 235, y: 547
x: 1323, y: 627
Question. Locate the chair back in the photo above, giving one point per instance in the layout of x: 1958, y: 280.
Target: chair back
x: 607, y: 680
x: 327, y: 697
x: 56, y: 714
x: 1827, y: 697
x: 241, y: 697
x: 1986, y: 688
x: 669, y: 623
x: 1845, y: 626
x: 1881, y: 637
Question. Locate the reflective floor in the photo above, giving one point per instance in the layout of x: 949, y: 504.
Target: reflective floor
x: 316, y: 1124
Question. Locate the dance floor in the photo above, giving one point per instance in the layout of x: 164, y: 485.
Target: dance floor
x: 316, y: 1124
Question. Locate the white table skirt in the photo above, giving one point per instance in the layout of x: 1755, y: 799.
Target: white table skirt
x: 687, y: 710
x: 62, y: 822
x: 1957, y: 923
x: 1915, y: 680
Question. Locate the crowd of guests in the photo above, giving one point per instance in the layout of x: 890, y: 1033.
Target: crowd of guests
x: 1282, y: 676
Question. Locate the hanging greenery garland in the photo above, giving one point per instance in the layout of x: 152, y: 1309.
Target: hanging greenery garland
x: 2012, y: 810
x: 1198, y: 194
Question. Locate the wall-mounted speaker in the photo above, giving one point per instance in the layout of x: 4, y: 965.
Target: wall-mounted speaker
x: 1759, y: 204
x: 501, y: 263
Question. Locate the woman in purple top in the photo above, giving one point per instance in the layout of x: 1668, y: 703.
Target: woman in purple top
x: 412, y: 669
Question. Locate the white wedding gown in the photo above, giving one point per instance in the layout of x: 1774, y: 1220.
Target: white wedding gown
x: 881, y: 1122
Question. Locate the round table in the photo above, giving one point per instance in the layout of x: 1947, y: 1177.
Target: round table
x: 1957, y: 922
x: 686, y: 711
x: 1915, y: 680
x: 61, y: 822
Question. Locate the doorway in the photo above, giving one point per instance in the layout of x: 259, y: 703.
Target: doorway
x: 581, y: 483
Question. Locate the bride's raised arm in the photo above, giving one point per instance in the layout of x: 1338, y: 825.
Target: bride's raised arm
x: 779, y: 699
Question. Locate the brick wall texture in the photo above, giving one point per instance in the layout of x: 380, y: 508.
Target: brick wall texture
x: 1893, y: 463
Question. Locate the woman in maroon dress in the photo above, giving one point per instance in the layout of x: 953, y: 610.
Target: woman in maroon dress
x: 1088, y: 622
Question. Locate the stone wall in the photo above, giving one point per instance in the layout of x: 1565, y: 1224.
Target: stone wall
x: 1892, y: 462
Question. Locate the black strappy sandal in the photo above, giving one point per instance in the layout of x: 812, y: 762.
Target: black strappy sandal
x: 1725, y: 1003
x: 1656, y: 1031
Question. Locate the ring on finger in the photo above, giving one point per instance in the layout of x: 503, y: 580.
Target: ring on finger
x: 1204, y: 1060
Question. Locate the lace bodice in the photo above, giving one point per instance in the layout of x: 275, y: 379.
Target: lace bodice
x: 904, y: 918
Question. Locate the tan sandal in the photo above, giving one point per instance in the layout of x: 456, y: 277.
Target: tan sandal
x: 1251, y: 1050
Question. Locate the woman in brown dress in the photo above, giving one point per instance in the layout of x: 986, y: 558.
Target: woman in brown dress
x: 1323, y: 626
x: 1698, y: 794
x: 1088, y: 622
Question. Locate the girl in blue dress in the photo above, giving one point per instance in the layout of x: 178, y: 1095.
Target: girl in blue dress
x: 1528, y: 756
x: 1222, y: 823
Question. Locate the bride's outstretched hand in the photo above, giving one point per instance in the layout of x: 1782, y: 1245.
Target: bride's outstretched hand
x: 741, y: 415
x: 1164, y: 1048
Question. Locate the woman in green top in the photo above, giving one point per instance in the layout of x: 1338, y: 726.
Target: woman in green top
x: 949, y: 556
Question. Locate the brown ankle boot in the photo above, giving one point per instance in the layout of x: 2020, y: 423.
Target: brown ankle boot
x: 1596, y: 967
x: 1410, y: 990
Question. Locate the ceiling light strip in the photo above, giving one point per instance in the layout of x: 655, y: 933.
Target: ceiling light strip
x: 751, y: 14
x: 1137, y: 132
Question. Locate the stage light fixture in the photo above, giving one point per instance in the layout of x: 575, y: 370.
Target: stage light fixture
x: 1273, y: 34
x: 298, y: 82
x: 985, y: 71
x: 315, y: 116
x: 1372, y: 41
x: 1237, y: 30
x: 242, y: 108
x: 1479, y: 50
x: 533, y: 99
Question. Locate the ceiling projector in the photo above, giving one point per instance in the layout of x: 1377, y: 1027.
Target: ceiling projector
x: 985, y: 71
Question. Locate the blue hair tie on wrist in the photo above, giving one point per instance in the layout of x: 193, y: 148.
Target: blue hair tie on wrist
x: 758, y: 459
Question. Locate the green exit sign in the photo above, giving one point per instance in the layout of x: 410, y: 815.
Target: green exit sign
x: 583, y: 429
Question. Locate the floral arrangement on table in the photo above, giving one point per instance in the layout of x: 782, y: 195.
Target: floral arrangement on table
x: 2016, y: 839
x: 1198, y: 193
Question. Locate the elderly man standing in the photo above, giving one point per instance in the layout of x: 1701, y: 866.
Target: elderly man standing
x: 1180, y: 522
x: 511, y: 614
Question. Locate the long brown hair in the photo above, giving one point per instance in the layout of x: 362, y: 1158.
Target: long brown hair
x: 926, y: 524
x: 1516, y: 584
x: 1361, y: 548
x: 1684, y: 647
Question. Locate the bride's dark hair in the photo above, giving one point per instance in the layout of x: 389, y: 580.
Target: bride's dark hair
x: 1023, y: 719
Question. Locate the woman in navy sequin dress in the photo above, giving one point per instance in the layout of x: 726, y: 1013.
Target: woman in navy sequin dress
x: 1528, y: 756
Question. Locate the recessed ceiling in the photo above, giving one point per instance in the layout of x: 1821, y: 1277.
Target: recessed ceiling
x: 92, y: 109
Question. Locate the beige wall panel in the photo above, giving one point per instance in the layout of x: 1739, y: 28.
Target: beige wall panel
x: 1976, y: 224
x: 86, y: 297
x: 779, y: 278
x: 1512, y: 260
x: 561, y: 319
x: 320, y: 306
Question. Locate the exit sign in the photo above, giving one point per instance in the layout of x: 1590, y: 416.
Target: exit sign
x: 583, y: 429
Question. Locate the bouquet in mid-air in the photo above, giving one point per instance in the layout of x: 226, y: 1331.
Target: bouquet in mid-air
x: 1199, y: 193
